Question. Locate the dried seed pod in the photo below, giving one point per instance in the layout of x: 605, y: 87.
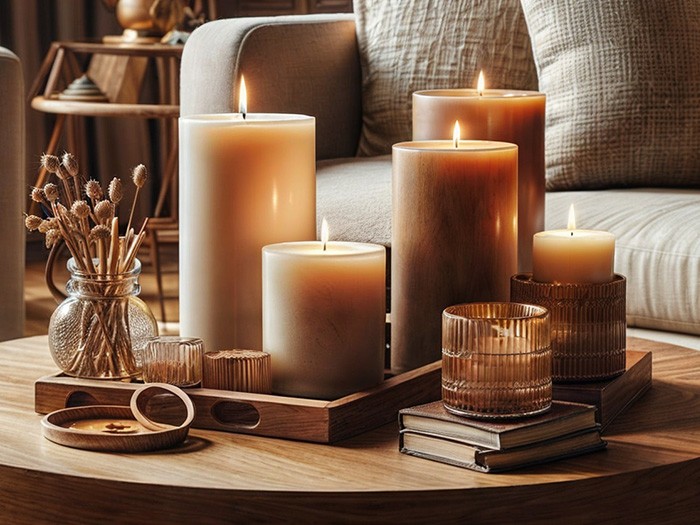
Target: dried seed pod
x: 48, y: 224
x: 104, y: 211
x: 51, y: 192
x: 52, y: 237
x: 32, y: 222
x: 80, y: 209
x: 139, y: 175
x: 70, y: 164
x: 62, y: 173
x: 50, y: 163
x: 37, y: 195
x: 94, y: 190
x: 100, y: 232
x: 115, y: 190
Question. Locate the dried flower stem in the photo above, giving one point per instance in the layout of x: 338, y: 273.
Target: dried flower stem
x: 134, y: 248
x: 114, y: 252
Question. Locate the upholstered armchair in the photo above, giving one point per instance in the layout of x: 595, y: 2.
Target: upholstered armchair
x: 12, y: 196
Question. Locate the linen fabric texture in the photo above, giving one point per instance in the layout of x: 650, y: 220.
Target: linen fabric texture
x: 623, y: 91
x: 410, y: 45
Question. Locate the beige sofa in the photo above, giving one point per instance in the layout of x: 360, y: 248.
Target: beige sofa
x: 12, y: 196
x: 311, y: 65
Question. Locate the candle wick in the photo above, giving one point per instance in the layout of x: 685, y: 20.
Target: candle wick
x: 572, y: 233
x: 244, y: 114
x: 324, y: 246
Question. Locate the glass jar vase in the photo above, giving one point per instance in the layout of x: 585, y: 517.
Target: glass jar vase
x: 100, y: 329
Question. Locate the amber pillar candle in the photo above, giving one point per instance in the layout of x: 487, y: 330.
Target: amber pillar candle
x: 324, y: 317
x: 500, y: 115
x: 454, y: 237
x: 244, y: 183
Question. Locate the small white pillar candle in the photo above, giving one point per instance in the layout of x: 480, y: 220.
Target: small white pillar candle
x: 573, y: 256
x: 324, y: 317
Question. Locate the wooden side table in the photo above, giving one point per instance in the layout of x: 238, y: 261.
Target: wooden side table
x: 118, y: 69
x: 650, y: 472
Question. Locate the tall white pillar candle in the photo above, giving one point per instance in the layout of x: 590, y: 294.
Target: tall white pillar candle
x: 324, y: 317
x: 244, y: 183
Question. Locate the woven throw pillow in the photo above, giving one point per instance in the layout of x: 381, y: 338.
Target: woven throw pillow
x: 622, y: 81
x: 409, y: 45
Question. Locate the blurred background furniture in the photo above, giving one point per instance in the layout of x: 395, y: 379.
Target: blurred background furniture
x: 12, y: 196
x: 117, y: 70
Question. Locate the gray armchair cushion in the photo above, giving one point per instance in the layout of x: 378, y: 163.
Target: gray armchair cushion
x: 292, y: 64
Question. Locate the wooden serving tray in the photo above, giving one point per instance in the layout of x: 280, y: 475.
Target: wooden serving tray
x: 302, y: 419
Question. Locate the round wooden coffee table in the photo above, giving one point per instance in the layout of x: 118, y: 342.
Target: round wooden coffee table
x: 650, y: 472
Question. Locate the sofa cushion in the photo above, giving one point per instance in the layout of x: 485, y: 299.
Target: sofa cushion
x: 657, y: 242
x: 623, y: 91
x: 354, y: 195
x: 657, y: 248
x: 409, y: 45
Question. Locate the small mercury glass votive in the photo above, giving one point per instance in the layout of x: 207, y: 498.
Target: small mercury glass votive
x: 496, y: 360
x: 588, y: 322
x: 174, y: 360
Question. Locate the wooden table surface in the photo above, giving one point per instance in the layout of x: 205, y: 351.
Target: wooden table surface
x: 650, y: 472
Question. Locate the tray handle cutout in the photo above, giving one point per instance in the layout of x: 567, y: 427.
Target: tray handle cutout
x: 235, y: 414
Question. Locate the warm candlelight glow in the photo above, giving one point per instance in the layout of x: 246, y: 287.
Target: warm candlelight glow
x: 480, y: 83
x: 571, y: 224
x: 455, y: 134
x: 243, y: 98
x: 324, y: 233
x: 572, y: 255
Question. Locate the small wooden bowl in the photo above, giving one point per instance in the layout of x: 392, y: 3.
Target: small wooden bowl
x: 123, y: 429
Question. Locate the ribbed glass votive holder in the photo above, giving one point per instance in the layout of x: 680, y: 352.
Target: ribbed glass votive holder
x: 588, y: 325
x: 496, y: 360
x: 173, y: 360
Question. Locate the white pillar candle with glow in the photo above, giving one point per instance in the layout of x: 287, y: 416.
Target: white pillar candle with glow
x: 324, y: 309
x: 246, y: 180
x: 573, y: 256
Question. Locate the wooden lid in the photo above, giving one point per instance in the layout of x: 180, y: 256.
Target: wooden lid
x: 239, y: 370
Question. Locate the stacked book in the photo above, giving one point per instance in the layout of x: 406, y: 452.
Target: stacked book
x: 430, y: 431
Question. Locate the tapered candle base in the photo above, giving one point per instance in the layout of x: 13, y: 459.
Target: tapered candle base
x: 588, y: 325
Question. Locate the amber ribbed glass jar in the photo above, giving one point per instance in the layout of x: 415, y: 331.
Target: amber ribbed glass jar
x: 496, y: 360
x: 588, y: 325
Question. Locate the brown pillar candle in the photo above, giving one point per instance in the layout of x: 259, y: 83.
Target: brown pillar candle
x: 454, y: 237
x: 495, y: 114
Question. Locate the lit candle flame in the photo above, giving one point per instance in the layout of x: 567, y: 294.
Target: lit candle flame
x: 481, y: 83
x: 324, y: 233
x: 455, y: 134
x: 571, y: 225
x: 242, y: 98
